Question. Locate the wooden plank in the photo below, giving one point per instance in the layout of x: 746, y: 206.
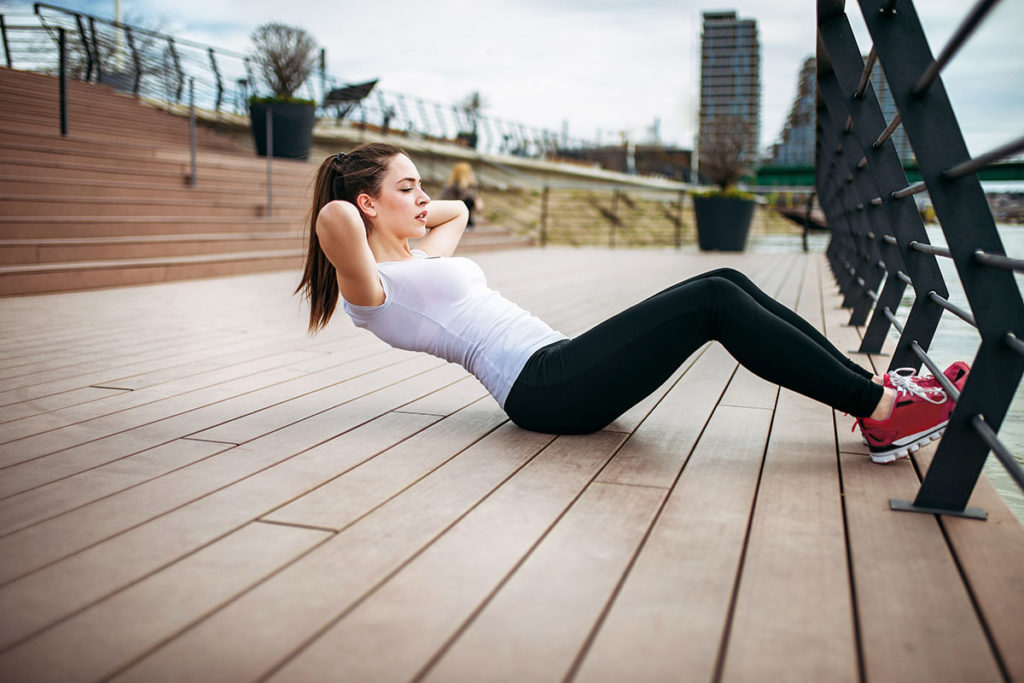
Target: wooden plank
x: 550, y: 604
x: 277, y: 617
x: 340, y: 502
x: 916, y: 619
x: 38, y: 545
x: 76, y: 433
x: 669, y: 616
x: 57, y: 590
x: 295, y: 363
x: 185, y: 418
x: 282, y: 412
x: 46, y: 404
x: 905, y: 576
x: 157, y: 356
x: 421, y: 607
x: 663, y: 441
x: 448, y: 400
x: 793, y: 618
x: 97, y: 642
x: 46, y: 502
x: 990, y: 556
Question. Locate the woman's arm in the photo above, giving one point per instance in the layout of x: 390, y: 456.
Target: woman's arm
x: 342, y: 236
x: 447, y: 220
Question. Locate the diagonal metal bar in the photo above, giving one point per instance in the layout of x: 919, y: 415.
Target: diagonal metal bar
x: 966, y: 221
x: 839, y: 55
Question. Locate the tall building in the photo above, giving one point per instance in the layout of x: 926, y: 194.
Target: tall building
x: 730, y: 81
x: 888, y: 106
x: 796, y: 144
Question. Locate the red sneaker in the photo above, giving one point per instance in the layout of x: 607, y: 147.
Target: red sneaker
x: 919, y: 415
x: 956, y: 373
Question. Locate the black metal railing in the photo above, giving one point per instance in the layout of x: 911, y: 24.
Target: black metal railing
x: 160, y: 68
x: 879, y: 245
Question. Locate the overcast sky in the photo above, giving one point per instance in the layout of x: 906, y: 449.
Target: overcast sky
x: 604, y: 66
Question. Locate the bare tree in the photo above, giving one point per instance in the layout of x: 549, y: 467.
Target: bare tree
x: 284, y: 56
x: 724, y: 149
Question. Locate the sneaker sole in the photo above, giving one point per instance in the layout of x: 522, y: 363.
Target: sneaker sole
x: 891, y: 455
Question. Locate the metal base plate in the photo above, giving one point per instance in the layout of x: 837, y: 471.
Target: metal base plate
x: 907, y: 506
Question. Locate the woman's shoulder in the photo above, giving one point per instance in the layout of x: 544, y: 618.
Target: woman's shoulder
x: 336, y: 211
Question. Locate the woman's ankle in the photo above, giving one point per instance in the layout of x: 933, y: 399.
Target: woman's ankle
x: 883, y: 411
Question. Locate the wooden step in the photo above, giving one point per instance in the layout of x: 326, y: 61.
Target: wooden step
x: 34, y: 279
x: 166, y: 128
x: 88, y: 187
x: 209, y: 179
x: 472, y: 242
x: 28, y: 205
x: 64, y: 250
x: 148, y: 137
x: 33, y: 227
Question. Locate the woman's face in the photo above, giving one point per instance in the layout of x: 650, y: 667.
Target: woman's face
x: 401, y: 207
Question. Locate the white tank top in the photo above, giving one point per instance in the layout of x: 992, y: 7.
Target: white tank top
x: 444, y: 307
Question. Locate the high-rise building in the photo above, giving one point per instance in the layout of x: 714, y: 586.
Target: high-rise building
x: 796, y: 144
x: 888, y: 106
x: 730, y: 81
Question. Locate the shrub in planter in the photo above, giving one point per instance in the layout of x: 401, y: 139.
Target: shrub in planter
x: 723, y: 220
x: 283, y: 57
x: 292, y: 121
x: 724, y: 215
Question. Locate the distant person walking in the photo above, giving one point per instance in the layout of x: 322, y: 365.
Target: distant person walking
x: 370, y: 202
x: 461, y: 185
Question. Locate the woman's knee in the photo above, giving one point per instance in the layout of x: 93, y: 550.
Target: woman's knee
x: 732, y: 275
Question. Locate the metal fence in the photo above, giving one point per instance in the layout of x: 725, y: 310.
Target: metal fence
x: 161, y: 67
x: 879, y: 246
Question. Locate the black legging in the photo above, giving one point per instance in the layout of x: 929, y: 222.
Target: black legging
x: 577, y: 386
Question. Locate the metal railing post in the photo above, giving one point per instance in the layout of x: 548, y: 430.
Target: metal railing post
x: 613, y: 219
x: 85, y: 45
x: 96, y: 50
x: 679, y: 220
x: 62, y: 41
x: 216, y: 75
x: 544, y: 216
x: 270, y: 165
x: 3, y: 34
x: 136, y: 61
x: 192, y: 129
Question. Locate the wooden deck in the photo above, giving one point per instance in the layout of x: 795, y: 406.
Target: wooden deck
x: 194, y: 490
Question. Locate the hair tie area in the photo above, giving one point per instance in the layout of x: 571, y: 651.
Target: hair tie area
x: 339, y: 156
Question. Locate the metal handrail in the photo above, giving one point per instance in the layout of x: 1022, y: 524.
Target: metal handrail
x: 162, y: 66
x: 870, y: 219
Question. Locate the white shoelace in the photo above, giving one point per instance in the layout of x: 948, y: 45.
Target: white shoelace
x: 902, y: 380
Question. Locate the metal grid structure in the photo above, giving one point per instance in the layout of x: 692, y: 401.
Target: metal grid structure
x: 879, y: 245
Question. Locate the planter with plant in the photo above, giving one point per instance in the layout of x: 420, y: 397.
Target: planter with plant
x: 283, y: 57
x: 723, y: 215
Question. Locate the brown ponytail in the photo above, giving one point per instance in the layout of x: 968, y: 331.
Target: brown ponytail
x: 340, y: 176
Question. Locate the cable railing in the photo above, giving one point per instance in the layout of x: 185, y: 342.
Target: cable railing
x: 879, y: 245
x: 162, y: 69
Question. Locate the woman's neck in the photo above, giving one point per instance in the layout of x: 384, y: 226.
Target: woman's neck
x: 388, y: 248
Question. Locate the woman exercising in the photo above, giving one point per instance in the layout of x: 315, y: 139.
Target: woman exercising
x: 369, y: 203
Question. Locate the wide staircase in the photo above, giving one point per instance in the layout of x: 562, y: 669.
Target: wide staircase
x: 111, y: 204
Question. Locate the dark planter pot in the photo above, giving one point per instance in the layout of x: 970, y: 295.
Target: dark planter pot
x: 723, y: 223
x: 293, y: 128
